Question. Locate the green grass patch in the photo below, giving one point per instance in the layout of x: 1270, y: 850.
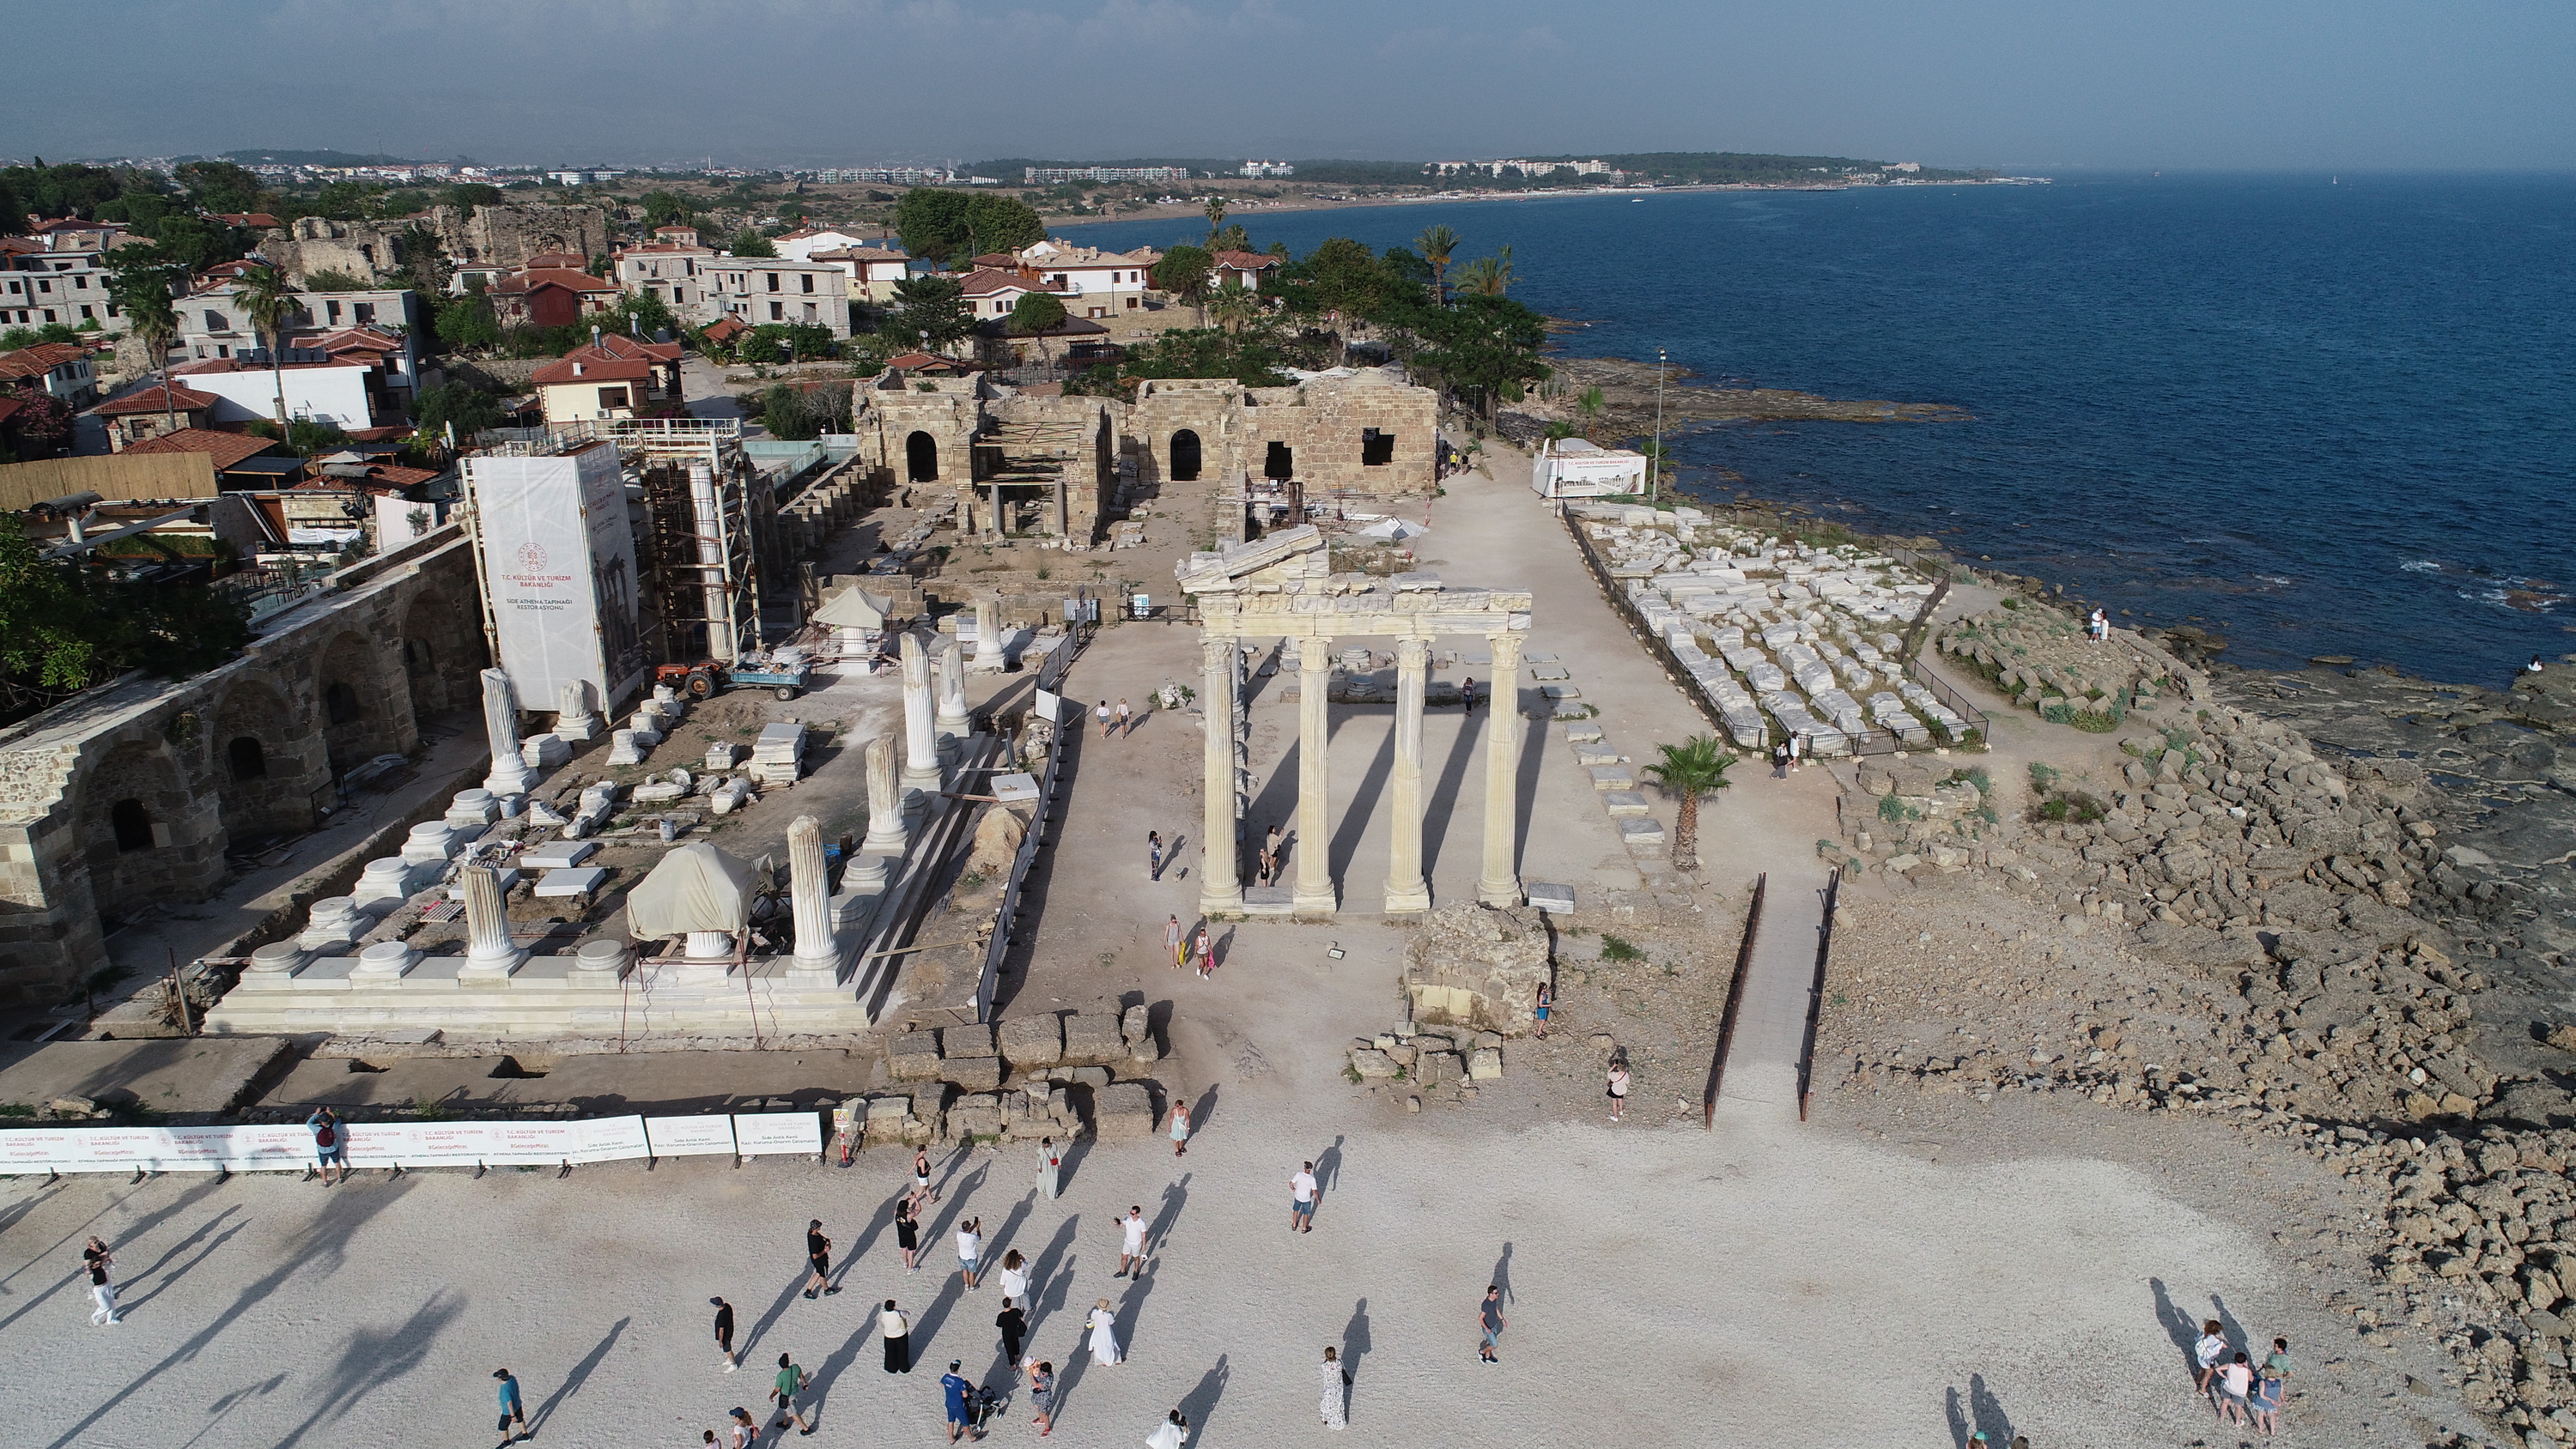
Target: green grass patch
x: 1619, y: 948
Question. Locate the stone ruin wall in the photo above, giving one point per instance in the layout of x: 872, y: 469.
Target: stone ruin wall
x: 338, y: 687
x: 502, y: 236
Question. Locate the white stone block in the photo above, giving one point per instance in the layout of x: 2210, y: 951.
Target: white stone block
x: 571, y: 881
x: 1553, y: 899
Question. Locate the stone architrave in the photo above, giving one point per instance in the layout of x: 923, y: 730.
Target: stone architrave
x: 885, y: 801
x: 488, y: 951
x: 510, y: 774
x: 1314, y: 794
x: 988, y: 638
x: 575, y: 720
x: 1220, y: 877
x: 1499, y: 883
x: 1405, y: 890
x: 809, y: 886
x: 951, y: 720
x: 921, y: 774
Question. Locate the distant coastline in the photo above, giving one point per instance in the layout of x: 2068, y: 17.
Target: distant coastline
x: 1246, y: 207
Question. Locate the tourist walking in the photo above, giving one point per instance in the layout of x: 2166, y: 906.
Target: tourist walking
x: 2209, y: 1353
x: 1126, y: 726
x: 1015, y: 1277
x: 1172, y: 1433
x: 1797, y: 750
x: 818, y: 1254
x: 791, y: 1381
x: 2235, y: 1379
x: 743, y: 1429
x: 1337, y: 1382
x: 896, y: 1331
x: 1103, y: 713
x: 1206, y: 953
x: 1180, y: 1125
x: 330, y: 1144
x: 102, y: 1292
x: 1618, y: 1089
x: 1154, y: 854
x: 724, y: 1334
x: 1780, y: 761
x: 1042, y: 1396
x: 970, y: 1249
x: 1013, y: 1322
x: 1490, y: 1322
x: 1131, y: 1242
x: 960, y: 1397
x: 1104, y: 1335
x: 907, y: 1234
x: 514, y: 1411
x: 1301, y: 1200
x: 1467, y: 695
x: 922, y: 1192
x: 2263, y: 1404
x: 1539, y: 1009
x: 1050, y: 1168
x: 1176, y: 941
x: 1270, y: 857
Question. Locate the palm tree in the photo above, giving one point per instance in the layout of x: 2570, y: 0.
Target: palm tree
x: 1216, y: 218
x: 1487, y: 276
x: 143, y: 295
x: 1590, y: 405
x: 264, y: 296
x: 1438, y: 243
x: 1234, y: 307
x: 1693, y: 768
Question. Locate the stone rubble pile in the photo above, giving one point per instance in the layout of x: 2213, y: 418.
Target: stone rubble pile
x: 1008, y: 1081
x: 1777, y: 632
x: 2042, y: 659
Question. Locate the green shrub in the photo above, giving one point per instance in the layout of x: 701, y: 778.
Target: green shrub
x: 2043, y: 778
x: 1974, y: 775
x: 1618, y: 948
x: 1890, y: 808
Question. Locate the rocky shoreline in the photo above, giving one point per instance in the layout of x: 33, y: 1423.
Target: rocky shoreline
x: 1628, y: 402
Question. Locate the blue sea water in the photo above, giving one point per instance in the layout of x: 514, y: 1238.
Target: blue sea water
x: 2316, y: 418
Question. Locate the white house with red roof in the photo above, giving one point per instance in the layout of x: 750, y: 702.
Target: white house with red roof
x: 801, y: 244
x: 615, y: 377
x: 1096, y: 284
x: 873, y: 270
x: 992, y: 292
x: 1243, y: 269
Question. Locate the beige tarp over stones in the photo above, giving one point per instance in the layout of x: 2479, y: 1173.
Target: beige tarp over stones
x: 854, y: 609
x: 696, y: 888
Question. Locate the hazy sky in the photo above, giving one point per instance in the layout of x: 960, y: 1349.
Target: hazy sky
x: 2027, y: 84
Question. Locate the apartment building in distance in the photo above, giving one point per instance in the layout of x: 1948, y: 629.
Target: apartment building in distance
x: 762, y: 290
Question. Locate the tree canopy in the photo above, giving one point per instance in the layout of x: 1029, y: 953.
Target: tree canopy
x: 752, y: 242
x: 951, y: 227
x: 63, y: 628
x: 1036, y: 312
x: 927, y: 304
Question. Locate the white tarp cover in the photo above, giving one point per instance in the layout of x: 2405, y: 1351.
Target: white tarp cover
x: 696, y: 888
x: 1393, y: 530
x: 854, y: 609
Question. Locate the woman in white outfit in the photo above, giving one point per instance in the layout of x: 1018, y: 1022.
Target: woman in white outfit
x: 1172, y: 1433
x: 1050, y: 1167
x: 1104, y: 1335
x: 1335, y: 1381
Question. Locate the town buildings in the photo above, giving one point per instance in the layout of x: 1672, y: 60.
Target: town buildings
x: 57, y: 369
x: 873, y: 270
x: 615, y: 377
x: 553, y: 291
x: 762, y: 290
x: 1095, y: 283
x: 57, y: 273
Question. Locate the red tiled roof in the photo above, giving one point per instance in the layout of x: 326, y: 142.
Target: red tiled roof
x: 260, y: 219
x: 351, y: 339
x: 225, y: 448
x: 921, y: 362
x: 8, y: 407
x: 574, y: 261
x: 183, y: 399
x: 612, y: 359
x: 725, y: 329
x: 40, y: 359
x: 997, y: 259
x: 207, y: 366
x: 1246, y: 261
x: 564, y: 277
x: 985, y: 281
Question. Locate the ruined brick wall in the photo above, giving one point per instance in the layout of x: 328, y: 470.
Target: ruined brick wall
x: 1323, y: 426
x: 503, y: 236
x: 129, y: 796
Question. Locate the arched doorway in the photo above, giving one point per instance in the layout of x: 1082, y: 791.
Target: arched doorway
x: 247, y: 759
x: 271, y: 762
x: 1280, y: 462
x: 1185, y: 456
x: 921, y: 458
x: 132, y: 823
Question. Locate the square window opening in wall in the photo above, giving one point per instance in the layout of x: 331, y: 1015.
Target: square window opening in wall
x: 1377, y: 448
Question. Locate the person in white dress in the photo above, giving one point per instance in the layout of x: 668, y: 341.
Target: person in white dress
x: 1172, y: 1433
x: 1335, y: 1381
x: 1050, y: 1167
x: 1015, y: 1276
x: 1104, y: 1335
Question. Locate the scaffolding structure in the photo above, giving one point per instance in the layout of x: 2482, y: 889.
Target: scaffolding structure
x: 706, y: 511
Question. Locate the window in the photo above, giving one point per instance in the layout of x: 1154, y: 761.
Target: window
x: 339, y: 703
x: 132, y: 824
x: 365, y: 312
x: 777, y: 311
x: 1279, y: 462
x: 249, y: 761
x: 612, y: 399
x: 80, y: 283
x: 87, y: 310
x: 1377, y: 449
x: 773, y: 281
x: 331, y: 310
x: 809, y: 281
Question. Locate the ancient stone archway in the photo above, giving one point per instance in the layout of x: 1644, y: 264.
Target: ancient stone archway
x: 921, y: 458
x: 1185, y: 456
x: 357, y: 719
x: 269, y: 764
x: 442, y: 653
x: 143, y: 834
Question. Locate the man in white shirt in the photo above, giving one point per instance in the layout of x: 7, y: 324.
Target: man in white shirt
x: 1301, y: 1200
x: 970, y: 1248
x: 1131, y: 1249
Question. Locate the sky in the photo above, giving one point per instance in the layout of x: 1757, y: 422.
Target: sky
x: 2027, y: 85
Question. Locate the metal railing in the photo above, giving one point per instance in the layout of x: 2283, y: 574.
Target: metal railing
x: 1816, y: 991
x: 1000, y: 946
x: 1734, y: 1003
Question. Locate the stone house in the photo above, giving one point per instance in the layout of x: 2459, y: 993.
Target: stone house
x: 128, y: 795
x: 1096, y: 284
x: 58, y: 273
x: 551, y: 297
x: 992, y: 292
x: 672, y: 273
x: 57, y: 369
x: 763, y: 290
x: 151, y: 411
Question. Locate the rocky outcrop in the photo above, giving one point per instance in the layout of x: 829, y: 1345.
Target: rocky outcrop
x: 1479, y: 967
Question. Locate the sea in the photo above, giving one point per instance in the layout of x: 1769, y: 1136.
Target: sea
x: 2315, y: 415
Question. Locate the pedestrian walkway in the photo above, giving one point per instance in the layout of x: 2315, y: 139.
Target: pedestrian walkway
x: 1771, y: 1030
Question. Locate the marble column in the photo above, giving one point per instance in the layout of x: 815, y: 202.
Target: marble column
x: 809, y: 888
x: 574, y: 718
x: 488, y: 951
x: 921, y: 744
x: 885, y: 802
x: 988, y: 635
x: 1405, y: 890
x: 951, y: 723
x: 1220, y: 878
x: 1499, y: 884
x: 510, y: 774
x: 1314, y: 778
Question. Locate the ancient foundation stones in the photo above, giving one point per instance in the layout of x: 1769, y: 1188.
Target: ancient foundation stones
x: 1122, y: 1109
x: 1478, y: 966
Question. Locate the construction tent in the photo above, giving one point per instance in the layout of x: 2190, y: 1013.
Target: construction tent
x: 696, y: 888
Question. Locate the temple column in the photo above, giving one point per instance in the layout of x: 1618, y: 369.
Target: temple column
x: 1220, y: 877
x: 950, y: 725
x: 988, y: 636
x: 1405, y: 890
x: 1500, y: 884
x: 885, y: 802
x: 1314, y: 778
x: 488, y: 951
x: 809, y: 885
x: 510, y: 774
x: 921, y: 776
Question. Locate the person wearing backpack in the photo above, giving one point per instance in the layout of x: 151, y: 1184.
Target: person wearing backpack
x: 330, y: 1143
